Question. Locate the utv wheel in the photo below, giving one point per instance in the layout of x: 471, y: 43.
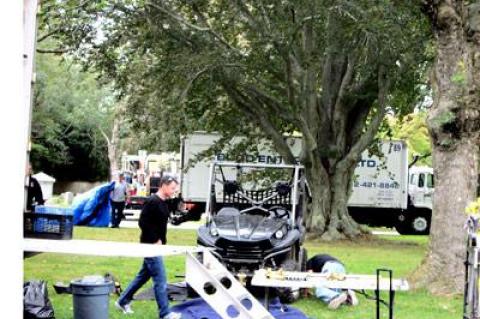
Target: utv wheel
x: 302, y: 260
x: 289, y: 295
x: 302, y: 266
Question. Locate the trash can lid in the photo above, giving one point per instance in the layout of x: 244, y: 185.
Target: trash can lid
x: 93, y: 280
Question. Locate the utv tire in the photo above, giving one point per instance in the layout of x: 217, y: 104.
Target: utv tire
x: 289, y: 295
x: 302, y: 260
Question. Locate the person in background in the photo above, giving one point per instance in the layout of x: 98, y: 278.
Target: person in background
x: 135, y: 185
x: 34, y: 191
x: 334, y: 298
x: 118, y: 198
x: 153, y: 225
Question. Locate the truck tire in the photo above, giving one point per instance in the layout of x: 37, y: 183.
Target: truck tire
x: 417, y: 224
x: 421, y: 225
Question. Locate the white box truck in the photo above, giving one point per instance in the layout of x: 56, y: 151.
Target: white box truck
x: 385, y: 191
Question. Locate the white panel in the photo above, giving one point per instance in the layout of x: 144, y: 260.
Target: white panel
x: 382, y: 183
x: 206, y: 278
x: 104, y: 248
x: 265, y: 278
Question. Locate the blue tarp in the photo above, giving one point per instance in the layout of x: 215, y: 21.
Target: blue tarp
x: 199, y: 309
x: 93, y: 207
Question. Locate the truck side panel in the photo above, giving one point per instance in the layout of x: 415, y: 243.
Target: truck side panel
x: 374, y: 185
x: 382, y: 182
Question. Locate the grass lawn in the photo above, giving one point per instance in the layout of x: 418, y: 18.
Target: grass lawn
x: 399, y: 253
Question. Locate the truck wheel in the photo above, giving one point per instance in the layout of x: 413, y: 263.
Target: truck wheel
x: 414, y: 225
x: 420, y: 225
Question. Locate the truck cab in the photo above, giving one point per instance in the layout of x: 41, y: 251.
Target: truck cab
x: 420, y: 186
x: 418, y: 216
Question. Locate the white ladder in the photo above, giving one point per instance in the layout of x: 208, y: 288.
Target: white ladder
x: 217, y: 286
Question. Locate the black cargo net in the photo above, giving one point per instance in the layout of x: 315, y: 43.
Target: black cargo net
x: 258, y: 196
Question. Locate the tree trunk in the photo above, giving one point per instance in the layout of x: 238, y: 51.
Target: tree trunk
x: 112, y: 143
x: 455, y: 186
x: 453, y: 122
x: 329, y: 213
x: 112, y: 147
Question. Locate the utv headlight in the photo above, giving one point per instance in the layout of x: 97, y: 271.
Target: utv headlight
x: 214, y: 232
x: 279, y: 234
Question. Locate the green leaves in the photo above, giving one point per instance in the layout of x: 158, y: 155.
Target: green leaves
x: 412, y: 128
x: 69, y: 109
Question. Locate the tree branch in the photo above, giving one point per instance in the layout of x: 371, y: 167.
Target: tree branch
x: 52, y: 51
x: 184, y: 93
x: 270, y: 102
x: 265, y: 16
x: 45, y: 36
x: 367, y: 137
x: 339, y: 114
x: 309, y: 138
x: 239, y: 4
x: 104, y: 135
x: 210, y: 30
x: 176, y: 17
x: 254, y: 111
x: 346, y: 80
x: 181, y: 20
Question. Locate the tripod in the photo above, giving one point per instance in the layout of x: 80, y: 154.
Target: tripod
x: 472, y: 271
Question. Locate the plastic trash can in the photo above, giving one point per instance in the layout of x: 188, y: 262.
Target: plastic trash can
x: 91, y: 297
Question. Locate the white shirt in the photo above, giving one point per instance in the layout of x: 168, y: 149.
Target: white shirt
x: 118, y: 193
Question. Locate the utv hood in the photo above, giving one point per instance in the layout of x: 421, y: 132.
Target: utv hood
x: 247, y: 227
x: 246, y: 231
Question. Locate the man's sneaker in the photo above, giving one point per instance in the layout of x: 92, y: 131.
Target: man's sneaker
x: 352, y: 298
x: 336, y: 302
x: 126, y: 309
x: 173, y: 315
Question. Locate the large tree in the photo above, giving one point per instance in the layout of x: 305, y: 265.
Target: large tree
x: 70, y: 109
x: 454, y: 124
x: 328, y: 69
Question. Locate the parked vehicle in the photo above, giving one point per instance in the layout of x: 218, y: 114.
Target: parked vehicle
x: 385, y: 191
x: 254, y: 220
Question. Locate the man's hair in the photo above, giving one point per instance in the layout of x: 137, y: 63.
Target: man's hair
x: 167, y: 180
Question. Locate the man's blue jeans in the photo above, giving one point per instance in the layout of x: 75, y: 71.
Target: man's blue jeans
x: 152, y: 268
x: 326, y: 294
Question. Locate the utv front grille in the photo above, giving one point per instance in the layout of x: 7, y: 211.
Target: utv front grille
x: 243, y: 245
x: 230, y: 253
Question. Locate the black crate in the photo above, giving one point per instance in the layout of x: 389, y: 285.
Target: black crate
x: 47, y: 226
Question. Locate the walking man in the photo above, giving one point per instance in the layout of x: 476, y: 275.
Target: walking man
x: 153, y: 224
x: 118, y: 199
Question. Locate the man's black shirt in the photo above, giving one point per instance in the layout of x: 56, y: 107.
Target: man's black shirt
x: 153, y: 220
x: 34, y: 191
x: 317, y: 262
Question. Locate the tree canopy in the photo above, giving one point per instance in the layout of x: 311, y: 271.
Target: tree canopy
x: 327, y: 69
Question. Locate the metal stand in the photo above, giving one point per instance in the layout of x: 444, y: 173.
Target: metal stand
x: 391, y: 294
x: 471, y: 294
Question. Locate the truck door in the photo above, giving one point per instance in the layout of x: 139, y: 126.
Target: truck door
x: 429, y: 187
x: 424, y: 190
